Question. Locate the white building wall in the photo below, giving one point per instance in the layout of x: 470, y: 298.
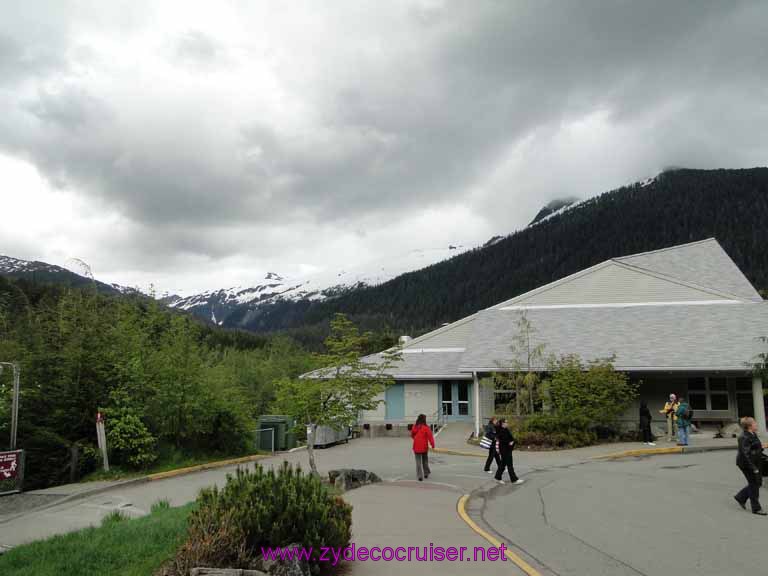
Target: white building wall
x: 421, y: 398
x: 378, y: 415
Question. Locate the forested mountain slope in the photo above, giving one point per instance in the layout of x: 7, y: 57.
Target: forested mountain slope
x: 676, y: 207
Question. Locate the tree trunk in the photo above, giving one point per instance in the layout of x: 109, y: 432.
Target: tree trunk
x: 311, y: 429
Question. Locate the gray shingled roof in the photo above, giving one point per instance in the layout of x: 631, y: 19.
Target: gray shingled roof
x: 424, y: 364
x: 649, y: 337
x: 702, y: 263
x: 666, y: 337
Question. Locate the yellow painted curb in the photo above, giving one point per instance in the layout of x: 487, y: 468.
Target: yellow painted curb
x: 206, y: 466
x: 459, y: 452
x: 640, y: 452
x: 514, y: 558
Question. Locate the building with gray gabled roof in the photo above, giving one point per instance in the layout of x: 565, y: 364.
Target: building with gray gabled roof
x: 680, y: 320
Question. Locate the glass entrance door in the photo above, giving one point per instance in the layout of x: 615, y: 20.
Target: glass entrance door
x: 446, y: 401
x: 456, y: 400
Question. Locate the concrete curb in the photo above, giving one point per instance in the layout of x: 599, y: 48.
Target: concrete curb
x: 139, y: 480
x: 511, y: 556
x: 206, y: 466
x: 458, y: 452
x: 658, y: 451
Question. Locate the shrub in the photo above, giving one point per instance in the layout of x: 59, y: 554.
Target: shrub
x: 130, y: 441
x: 262, y: 508
x: 594, y: 390
x: 552, y: 424
x: 551, y: 431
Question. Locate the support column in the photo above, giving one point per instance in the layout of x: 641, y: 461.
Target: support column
x: 476, y: 391
x: 757, y: 400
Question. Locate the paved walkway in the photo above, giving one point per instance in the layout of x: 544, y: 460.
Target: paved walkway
x: 455, y: 434
x: 410, y: 513
x: 402, y: 512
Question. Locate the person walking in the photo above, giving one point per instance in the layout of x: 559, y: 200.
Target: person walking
x: 422, y: 440
x: 670, y: 411
x: 505, y: 444
x: 645, y: 424
x: 684, y: 414
x: 490, y: 433
x: 749, y: 459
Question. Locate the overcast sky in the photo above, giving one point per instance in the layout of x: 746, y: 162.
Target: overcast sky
x: 197, y: 145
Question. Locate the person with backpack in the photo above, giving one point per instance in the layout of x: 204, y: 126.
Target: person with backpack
x: 749, y: 459
x: 490, y: 433
x: 505, y: 443
x: 684, y: 415
x: 645, y: 424
x: 422, y: 440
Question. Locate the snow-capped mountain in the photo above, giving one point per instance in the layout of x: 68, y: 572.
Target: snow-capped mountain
x: 13, y: 266
x: 221, y: 306
x: 44, y: 272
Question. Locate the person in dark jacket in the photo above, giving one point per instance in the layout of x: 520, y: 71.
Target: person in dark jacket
x: 749, y: 460
x: 504, y: 444
x: 645, y: 424
x: 683, y: 422
x: 422, y: 440
x: 490, y: 433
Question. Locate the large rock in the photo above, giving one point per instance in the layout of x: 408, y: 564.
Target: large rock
x: 731, y: 431
x: 348, y: 479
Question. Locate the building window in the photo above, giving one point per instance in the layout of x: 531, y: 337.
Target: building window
x: 463, y: 404
x: 697, y: 393
x: 447, y: 399
x: 709, y: 394
x: 718, y: 394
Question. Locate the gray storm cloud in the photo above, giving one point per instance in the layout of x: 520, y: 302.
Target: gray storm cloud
x: 376, y: 110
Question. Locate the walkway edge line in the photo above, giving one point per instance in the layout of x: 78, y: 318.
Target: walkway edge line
x: 206, y: 466
x: 459, y: 452
x: 514, y: 558
x: 639, y: 452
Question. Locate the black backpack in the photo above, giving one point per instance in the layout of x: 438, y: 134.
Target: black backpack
x: 687, y: 413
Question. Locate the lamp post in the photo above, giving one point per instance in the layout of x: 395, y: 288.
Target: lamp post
x: 15, y: 405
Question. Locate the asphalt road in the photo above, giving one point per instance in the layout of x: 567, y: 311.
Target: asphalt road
x: 390, y: 458
x: 660, y: 515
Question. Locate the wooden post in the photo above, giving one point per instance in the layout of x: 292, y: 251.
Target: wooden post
x: 101, y: 437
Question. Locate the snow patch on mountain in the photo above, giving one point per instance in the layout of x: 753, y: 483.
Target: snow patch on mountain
x: 10, y: 265
x: 275, y: 287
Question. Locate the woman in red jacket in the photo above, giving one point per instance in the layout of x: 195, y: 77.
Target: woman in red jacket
x: 422, y: 439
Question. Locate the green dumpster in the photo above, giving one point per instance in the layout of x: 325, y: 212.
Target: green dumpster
x: 276, y: 429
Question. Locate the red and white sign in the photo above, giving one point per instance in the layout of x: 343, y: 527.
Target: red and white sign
x: 9, y: 464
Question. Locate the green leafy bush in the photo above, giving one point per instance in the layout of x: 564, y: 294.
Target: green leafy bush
x: 130, y: 441
x: 262, y: 508
x: 551, y: 424
x: 553, y: 431
x: 594, y: 391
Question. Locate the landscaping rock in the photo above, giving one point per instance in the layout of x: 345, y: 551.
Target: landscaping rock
x: 731, y: 431
x: 349, y: 479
